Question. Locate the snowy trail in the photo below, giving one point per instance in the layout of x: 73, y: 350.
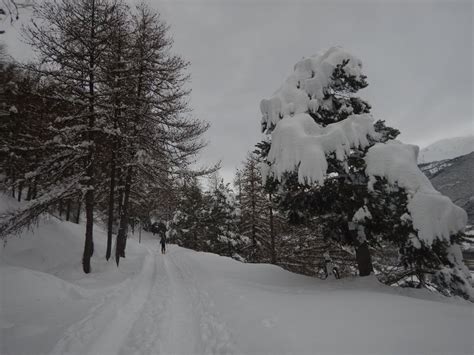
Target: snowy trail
x: 159, y: 311
x: 101, y: 331
x: 188, y: 302
x: 175, y: 318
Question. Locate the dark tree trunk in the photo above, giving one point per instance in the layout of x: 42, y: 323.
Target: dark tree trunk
x: 120, y: 193
x: 20, y: 191
x: 35, y: 190
x: 29, y: 193
x: 110, y: 222
x: 253, y: 206
x: 272, y: 233
x: 89, y: 242
x: 123, y: 226
x: 78, y: 213
x: 364, y: 260
x: 60, y: 208
x: 68, y: 210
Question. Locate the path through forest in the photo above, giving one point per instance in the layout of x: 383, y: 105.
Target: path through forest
x: 161, y: 311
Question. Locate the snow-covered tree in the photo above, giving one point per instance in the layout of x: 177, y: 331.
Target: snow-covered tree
x: 221, y: 223
x: 186, y: 228
x: 207, y: 220
x: 119, y: 128
x: 253, y: 207
x: 336, y: 165
x: 256, y: 211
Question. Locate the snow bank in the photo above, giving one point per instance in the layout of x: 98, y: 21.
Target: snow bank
x: 300, y: 143
x: 267, y: 310
x: 434, y: 216
x: 303, y: 89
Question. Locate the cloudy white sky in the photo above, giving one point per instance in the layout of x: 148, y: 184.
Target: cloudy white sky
x: 418, y: 56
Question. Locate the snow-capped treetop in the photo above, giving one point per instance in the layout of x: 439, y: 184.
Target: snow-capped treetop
x: 434, y: 216
x: 447, y: 149
x: 303, y: 90
x: 300, y: 143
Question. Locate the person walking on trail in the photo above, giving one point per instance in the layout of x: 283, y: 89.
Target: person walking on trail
x: 163, y: 243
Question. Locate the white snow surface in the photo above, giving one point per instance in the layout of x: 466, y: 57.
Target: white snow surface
x: 300, y: 143
x: 433, y: 215
x: 447, y: 149
x: 187, y: 302
x: 302, y: 91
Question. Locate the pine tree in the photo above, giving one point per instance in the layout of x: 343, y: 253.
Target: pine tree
x: 322, y: 136
x: 220, y: 219
x: 187, y: 226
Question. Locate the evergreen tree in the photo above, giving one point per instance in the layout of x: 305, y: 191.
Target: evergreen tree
x: 187, y: 226
x: 222, y: 235
x: 322, y: 137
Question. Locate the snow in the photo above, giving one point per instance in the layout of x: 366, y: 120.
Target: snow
x: 302, y: 91
x: 434, y: 216
x: 300, y: 143
x: 187, y: 302
x: 362, y: 214
x: 447, y: 149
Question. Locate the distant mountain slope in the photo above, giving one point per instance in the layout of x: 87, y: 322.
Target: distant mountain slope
x: 446, y: 149
x: 455, y: 179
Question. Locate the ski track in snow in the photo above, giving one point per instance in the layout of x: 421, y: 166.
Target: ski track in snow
x: 162, y: 310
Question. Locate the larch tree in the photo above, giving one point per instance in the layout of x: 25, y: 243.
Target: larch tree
x: 70, y: 38
x: 256, y: 212
x: 161, y: 138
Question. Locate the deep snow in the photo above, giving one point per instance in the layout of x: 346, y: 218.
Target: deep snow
x: 187, y: 302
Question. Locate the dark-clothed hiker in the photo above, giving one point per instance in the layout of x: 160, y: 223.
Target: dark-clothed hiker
x: 163, y: 244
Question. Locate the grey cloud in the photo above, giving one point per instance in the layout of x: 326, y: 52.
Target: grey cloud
x: 418, y: 56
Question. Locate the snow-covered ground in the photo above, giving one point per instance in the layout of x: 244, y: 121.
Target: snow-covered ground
x: 187, y: 302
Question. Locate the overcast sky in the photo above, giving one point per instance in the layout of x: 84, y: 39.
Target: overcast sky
x: 418, y: 56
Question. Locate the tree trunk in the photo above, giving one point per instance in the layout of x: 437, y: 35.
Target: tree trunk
x: 123, y: 226
x: 120, y: 193
x: 35, y: 189
x: 253, y: 206
x: 78, y: 213
x: 89, y: 243
x: 110, y: 222
x: 364, y: 260
x: 20, y: 190
x: 60, y: 208
x: 272, y: 232
x: 68, y: 210
x: 29, y: 192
